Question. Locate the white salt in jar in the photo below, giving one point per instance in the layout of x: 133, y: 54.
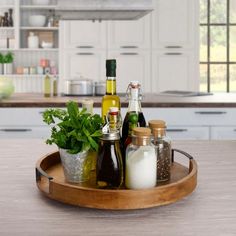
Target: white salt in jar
x: 141, y: 168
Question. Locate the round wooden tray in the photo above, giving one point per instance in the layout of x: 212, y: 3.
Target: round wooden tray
x: 50, y: 180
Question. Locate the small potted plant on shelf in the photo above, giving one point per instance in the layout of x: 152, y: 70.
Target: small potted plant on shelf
x: 8, y: 63
x: 76, y: 133
x: 1, y: 63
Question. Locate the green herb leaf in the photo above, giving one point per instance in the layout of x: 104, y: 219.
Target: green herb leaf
x: 73, y: 129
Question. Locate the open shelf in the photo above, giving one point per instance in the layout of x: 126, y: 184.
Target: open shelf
x: 47, y: 7
x: 6, y: 6
x: 39, y: 49
x: 8, y: 49
x: 26, y: 75
x: 30, y: 49
x: 38, y: 28
x: 7, y: 28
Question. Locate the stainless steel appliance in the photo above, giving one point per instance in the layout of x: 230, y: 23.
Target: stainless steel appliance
x: 100, y: 88
x: 79, y: 87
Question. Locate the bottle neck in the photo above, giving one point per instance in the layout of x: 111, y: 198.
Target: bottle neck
x: 134, y: 100
x: 141, y: 140
x: 159, y: 133
x: 111, y: 86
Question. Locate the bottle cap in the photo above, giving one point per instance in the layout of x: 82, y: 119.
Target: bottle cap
x: 111, y: 68
x: 141, y: 131
x: 158, y: 127
x: 134, y: 84
x: 157, y: 124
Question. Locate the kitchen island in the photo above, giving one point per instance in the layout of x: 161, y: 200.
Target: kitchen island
x: 149, y: 100
x: 209, y: 210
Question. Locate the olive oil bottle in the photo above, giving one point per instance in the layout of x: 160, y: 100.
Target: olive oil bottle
x: 47, y: 86
x: 110, y: 99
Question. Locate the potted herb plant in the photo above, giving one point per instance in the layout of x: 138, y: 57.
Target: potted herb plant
x: 1, y: 63
x: 76, y: 133
x: 8, y: 63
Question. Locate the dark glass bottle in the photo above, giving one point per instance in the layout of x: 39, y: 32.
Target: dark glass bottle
x: 10, y: 19
x: 134, y: 96
x: 110, y: 99
x: 5, y: 20
x: 132, y: 121
x: 109, y: 169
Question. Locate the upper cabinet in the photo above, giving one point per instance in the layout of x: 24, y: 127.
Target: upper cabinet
x: 84, y: 34
x: 132, y: 65
x: 174, y: 71
x: 129, y: 34
x: 175, y: 24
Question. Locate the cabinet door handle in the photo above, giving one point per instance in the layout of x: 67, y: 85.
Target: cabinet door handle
x: 16, y: 130
x: 85, y: 46
x: 177, y: 130
x: 234, y: 130
x: 173, y: 46
x: 210, y: 112
x: 173, y: 53
x: 131, y: 46
x: 85, y: 53
x: 129, y: 53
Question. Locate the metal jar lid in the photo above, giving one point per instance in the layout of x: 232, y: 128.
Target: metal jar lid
x: 111, y: 136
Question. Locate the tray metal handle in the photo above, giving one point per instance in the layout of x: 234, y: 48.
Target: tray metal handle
x: 41, y: 173
x: 185, y: 154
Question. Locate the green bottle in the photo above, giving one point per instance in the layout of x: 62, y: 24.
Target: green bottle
x: 47, y: 86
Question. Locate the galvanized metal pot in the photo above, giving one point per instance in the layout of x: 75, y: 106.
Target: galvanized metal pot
x: 77, y: 167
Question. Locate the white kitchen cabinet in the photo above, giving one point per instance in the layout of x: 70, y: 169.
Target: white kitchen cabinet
x: 132, y: 65
x: 174, y: 70
x: 24, y: 132
x: 196, y: 123
x: 175, y: 44
x: 130, y: 34
x: 188, y: 133
x: 23, y: 123
x: 223, y: 133
x: 84, y: 34
x: 175, y: 24
x: 89, y: 64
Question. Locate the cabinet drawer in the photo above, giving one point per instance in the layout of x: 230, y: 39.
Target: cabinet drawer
x: 223, y: 133
x: 21, y: 116
x: 193, y: 116
x: 89, y: 64
x: 188, y: 133
x: 83, y: 34
x: 14, y: 132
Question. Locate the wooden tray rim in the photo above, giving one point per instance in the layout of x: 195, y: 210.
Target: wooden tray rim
x: 191, y: 175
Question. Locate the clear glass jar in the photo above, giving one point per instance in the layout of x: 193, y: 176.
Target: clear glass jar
x: 140, y: 171
x: 162, y: 145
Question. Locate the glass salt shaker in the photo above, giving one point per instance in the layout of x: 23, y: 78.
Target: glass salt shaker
x: 141, y: 168
x: 162, y: 144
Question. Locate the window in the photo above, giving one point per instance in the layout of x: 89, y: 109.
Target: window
x: 218, y: 45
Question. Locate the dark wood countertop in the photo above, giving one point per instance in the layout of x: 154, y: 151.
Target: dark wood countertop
x: 149, y: 100
x: 209, y: 210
